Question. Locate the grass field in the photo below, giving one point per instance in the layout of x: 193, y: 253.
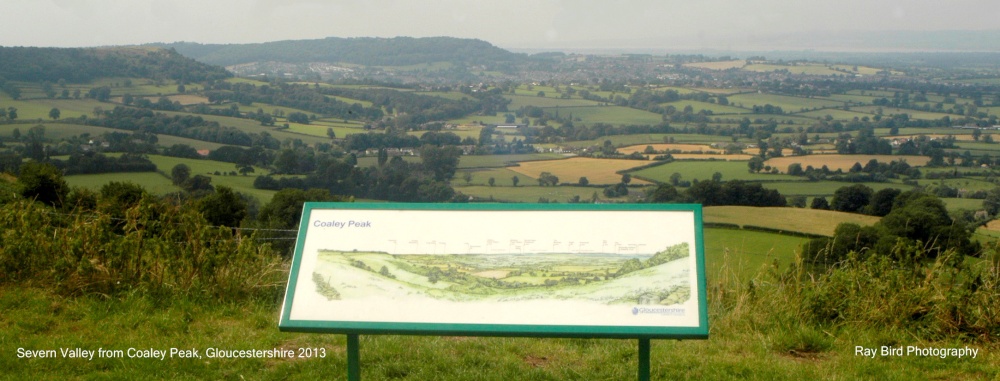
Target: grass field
x: 914, y: 114
x: 738, y: 347
x: 745, y: 253
x: 812, y: 221
x: 715, y: 108
x: 527, y: 191
x: 787, y: 103
x: 615, y: 115
x: 502, y: 177
x: 688, y: 148
x: 835, y: 113
x: 703, y: 170
x: 518, y: 101
x: 844, y: 162
x: 160, y: 184
x: 645, y: 139
x: 597, y: 171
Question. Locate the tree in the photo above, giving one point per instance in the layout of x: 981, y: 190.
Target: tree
x: 756, y: 164
x: 583, y: 181
x: 492, y: 181
x: 851, y: 198
x: 626, y: 178
x: 54, y: 113
x: 515, y: 180
x: 11, y: 113
x: 675, y: 179
x: 467, y: 176
x: 225, y: 207
x: 180, y: 174
x: 664, y: 193
x: 795, y: 169
x: 717, y: 176
x: 992, y: 201
x: 42, y: 182
x: 882, y: 202
x: 442, y: 161
x: 820, y: 203
x: 383, y: 157
x: 330, y: 134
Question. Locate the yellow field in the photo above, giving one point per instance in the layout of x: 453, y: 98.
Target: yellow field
x: 719, y: 65
x: 597, y: 171
x: 812, y: 221
x: 843, y: 162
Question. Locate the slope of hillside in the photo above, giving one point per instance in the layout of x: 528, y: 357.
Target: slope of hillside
x: 398, y: 51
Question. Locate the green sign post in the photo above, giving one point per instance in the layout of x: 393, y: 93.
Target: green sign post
x: 535, y: 270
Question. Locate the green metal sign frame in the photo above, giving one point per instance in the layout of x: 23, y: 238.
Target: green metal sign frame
x: 287, y: 323
x: 354, y: 327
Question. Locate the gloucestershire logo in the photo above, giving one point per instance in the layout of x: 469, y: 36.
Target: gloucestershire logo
x: 658, y: 311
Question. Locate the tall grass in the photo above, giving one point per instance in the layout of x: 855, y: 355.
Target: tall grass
x: 157, y: 248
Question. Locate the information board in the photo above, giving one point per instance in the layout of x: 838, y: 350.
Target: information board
x: 552, y: 270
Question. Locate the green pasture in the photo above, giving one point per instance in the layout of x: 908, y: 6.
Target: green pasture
x: 704, y: 169
x: 824, y: 188
x: 372, y: 161
x: 787, y: 103
x: 518, y: 101
x: 810, y: 221
x: 318, y: 129
x: 715, y: 108
x: 526, y: 191
x: 350, y: 101
x: 57, y: 131
x: 452, y: 95
x: 615, y: 115
x: 954, y: 204
x: 494, y: 161
x: 914, y: 114
x: 853, y: 98
x: 980, y: 145
x: 628, y: 140
x: 924, y: 131
x: 39, y: 108
x: 499, y: 118
x: 265, y: 107
x: 239, y: 183
x: 835, y: 113
x: 679, y: 90
x: 462, y: 132
x: 963, y: 183
x: 744, y: 254
x: 502, y: 177
x: 253, y: 126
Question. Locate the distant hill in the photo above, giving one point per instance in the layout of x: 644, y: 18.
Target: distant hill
x: 398, y: 51
x: 78, y: 65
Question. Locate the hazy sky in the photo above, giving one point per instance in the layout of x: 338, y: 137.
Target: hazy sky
x: 512, y: 24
